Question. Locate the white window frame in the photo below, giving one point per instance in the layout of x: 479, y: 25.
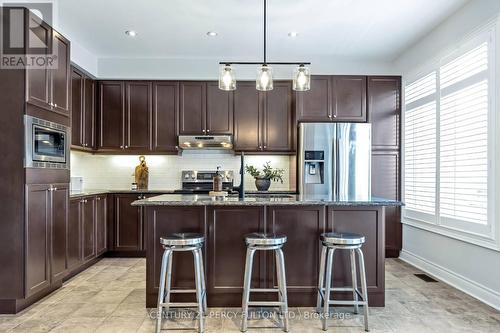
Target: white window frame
x: 486, y: 236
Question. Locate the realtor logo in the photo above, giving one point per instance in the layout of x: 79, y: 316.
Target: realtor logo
x: 26, y: 36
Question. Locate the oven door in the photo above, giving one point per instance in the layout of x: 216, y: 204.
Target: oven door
x: 46, y: 144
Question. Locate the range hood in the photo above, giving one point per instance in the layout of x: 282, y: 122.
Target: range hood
x: 206, y: 142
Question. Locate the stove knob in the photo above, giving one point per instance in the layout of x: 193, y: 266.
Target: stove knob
x: 193, y: 177
x: 186, y: 176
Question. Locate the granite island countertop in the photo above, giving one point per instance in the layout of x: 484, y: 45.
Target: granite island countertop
x: 91, y: 192
x: 257, y: 200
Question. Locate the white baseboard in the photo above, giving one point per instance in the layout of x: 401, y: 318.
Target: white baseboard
x: 474, y: 289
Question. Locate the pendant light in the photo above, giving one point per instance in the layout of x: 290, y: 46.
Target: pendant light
x: 301, y: 78
x: 264, y: 81
x: 227, y: 79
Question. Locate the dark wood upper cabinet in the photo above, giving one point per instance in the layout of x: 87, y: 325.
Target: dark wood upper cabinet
x: 88, y: 228
x: 165, y: 115
x: 219, y: 117
x: 37, y: 246
x: 333, y: 98
x: 128, y: 223
x: 101, y: 221
x: 49, y: 88
x: 248, y: 112
x: 59, y: 227
x: 89, y: 113
x: 349, y: 98
x: 60, y: 76
x: 77, y: 114
x: 111, y: 115
x: 74, y: 240
x: 83, y: 91
x: 192, y: 111
x: 138, y: 116
x: 315, y: 104
x: 277, y: 125
x: 384, y: 109
x: 38, y: 90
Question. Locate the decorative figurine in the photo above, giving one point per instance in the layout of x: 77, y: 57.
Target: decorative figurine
x: 142, y: 174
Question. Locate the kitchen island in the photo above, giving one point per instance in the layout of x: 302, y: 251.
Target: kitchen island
x: 224, y: 222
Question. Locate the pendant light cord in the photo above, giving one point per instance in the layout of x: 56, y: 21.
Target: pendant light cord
x: 265, y: 28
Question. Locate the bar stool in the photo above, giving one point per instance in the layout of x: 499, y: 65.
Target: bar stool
x: 341, y: 241
x: 182, y: 242
x: 265, y: 242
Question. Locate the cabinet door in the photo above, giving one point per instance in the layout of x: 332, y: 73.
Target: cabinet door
x: 37, y: 243
x: 384, y: 109
x: 138, y: 116
x: 60, y: 76
x: 101, y: 224
x: 88, y: 228
x: 302, y: 226
x: 226, y: 263
x: 77, y: 114
x: 315, y: 104
x: 248, y: 109
x: 59, y: 228
x: 74, y: 240
x: 349, y: 98
x: 111, y: 115
x: 385, y: 184
x: 165, y: 115
x: 192, y: 111
x: 219, y: 110
x: 277, y: 123
x: 89, y: 113
x: 38, y: 80
x: 128, y: 228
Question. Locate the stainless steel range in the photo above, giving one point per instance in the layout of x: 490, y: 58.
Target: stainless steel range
x: 201, y: 182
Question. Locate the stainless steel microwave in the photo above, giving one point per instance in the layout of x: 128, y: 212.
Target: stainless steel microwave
x: 46, y: 144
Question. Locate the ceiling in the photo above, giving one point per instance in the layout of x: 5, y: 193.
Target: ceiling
x: 357, y: 29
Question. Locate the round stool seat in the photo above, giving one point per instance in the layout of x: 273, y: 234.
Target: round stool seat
x: 342, y: 238
x: 182, y: 239
x: 263, y: 239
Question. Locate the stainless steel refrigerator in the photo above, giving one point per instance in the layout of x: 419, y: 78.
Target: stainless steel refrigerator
x: 334, y: 160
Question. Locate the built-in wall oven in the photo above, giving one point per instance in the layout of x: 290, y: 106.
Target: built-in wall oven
x: 46, y: 144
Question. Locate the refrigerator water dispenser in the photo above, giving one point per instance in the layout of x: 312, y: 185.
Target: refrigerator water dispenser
x: 314, y: 167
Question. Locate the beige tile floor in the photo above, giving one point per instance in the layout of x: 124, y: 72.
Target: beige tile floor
x: 110, y: 297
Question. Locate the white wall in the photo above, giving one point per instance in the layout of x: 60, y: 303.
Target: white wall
x: 473, y: 269
x: 115, y: 172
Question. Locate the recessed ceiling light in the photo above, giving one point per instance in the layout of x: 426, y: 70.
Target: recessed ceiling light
x: 293, y: 34
x: 212, y: 33
x: 131, y: 33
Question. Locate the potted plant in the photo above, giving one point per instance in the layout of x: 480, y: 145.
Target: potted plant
x: 263, y: 178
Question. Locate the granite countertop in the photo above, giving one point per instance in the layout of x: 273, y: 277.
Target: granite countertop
x: 256, y: 200
x: 86, y: 193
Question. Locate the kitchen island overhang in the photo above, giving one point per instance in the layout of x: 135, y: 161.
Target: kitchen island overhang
x: 224, y: 222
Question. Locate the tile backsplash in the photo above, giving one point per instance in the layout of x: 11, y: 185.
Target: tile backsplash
x: 115, y: 172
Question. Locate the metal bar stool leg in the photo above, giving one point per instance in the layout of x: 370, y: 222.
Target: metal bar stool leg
x: 363, y: 286
x: 161, y: 292
x: 199, y: 289
x: 203, y: 284
x: 246, y: 288
x: 168, y: 285
x: 321, y: 279
x: 280, y: 262
x: 328, y: 282
x: 354, y: 281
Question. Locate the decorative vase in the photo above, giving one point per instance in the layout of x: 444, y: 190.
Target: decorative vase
x: 262, y: 184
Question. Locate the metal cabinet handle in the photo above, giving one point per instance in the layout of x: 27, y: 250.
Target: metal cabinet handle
x: 334, y: 116
x: 208, y: 130
x: 176, y: 147
x: 126, y: 147
x: 98, y: 198
x: 54, y: 189
x: 55, y: 105
x: 265, y: 147
x: 121, y: 147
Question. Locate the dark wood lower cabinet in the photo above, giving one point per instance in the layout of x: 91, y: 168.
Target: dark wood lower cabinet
x: 128, y: 233
x: 74, y: 240
x: 101, y: 221
x: 225, y: 250
x: 59, y: 227
x: 88, y: 228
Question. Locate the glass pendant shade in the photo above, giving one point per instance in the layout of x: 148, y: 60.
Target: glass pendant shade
x: 264, y: 80
x: 301, y: 79
x: 227, y: 79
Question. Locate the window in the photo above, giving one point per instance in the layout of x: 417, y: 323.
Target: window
x: 447, y: 147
